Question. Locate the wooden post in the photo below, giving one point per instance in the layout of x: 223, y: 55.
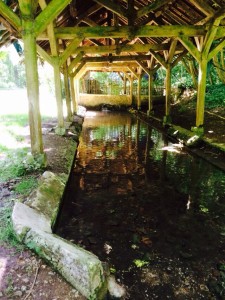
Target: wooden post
x: 73, y: 96
x: 201, y: 92
x: 58, y: 95
x: 124, y: 84
x: 131, y: 88
x: 168, y: 95
x: 139, y: 92
x: 77, y: 90
x: 150, y: 92
x: 67, y: 91
x: 30, y: 54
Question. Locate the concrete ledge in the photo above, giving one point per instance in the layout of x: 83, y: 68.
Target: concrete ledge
x: 33, y: 226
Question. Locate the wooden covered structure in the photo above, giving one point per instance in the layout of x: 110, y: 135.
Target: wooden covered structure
x: 130, y: 36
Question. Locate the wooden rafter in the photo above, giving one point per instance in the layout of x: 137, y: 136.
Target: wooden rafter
x: 203, y: 7
x: 115, y: 8
x: 150, y: 7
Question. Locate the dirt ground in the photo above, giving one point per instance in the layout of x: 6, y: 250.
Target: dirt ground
x: 22, y: 274
x: 25, y: 276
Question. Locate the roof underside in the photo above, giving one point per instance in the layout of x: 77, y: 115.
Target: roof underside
x: 115, y: 46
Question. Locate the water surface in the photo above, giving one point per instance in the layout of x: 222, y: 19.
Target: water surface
x: 148, y: 208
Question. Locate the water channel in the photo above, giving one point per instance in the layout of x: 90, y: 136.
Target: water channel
x: 147, y: 207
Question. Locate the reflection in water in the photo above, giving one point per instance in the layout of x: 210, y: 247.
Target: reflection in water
x: 148, y: 208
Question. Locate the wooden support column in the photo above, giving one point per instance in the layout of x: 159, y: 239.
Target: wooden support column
x: 124, y: 84
x: 150, y: 94
x: 73, y: 95
x: 77, y: 90
x: 139, y: 93
x: 67, y: 92
x: 168, y: 94
x: 30, y: 54
x: 201, y: 92
x: 131, y: 88
x: 58, y: 95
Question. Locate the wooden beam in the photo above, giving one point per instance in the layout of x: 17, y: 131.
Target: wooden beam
x: 150, y: 7
x: 44, y: 55
x: 131, y: 12
x: 127, y: 31
x: 159, y: 58
x: 50, y: 31
x: 82, y: 64
x: 76, y: 60
x: 117, y: 58
x: 69, y: 50
x: 10, y: 16
x: 115, y: 8
x: 67, y: 92
x: 172, y: 51
x: 190, y: 47
x: 203, y: 7
x: 53, y: 9
x: 210, y: 37
x: 94, y: 8
x: 145, y: 69
x: 201, y: 93
x: 179, y: 58
x: 218, y: 48
x: 58, y: 93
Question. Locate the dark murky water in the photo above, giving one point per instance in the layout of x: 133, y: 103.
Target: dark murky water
x: 155, y: 213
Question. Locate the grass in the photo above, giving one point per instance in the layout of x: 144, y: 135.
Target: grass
x: 7, y: 233
x: 25, y: 186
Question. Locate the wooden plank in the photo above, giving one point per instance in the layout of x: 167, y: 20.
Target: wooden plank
x: 190, y: 47
x: 150, y: 7
x: 115, y: 8
x: 47, y: 16
x: 10, y: 16
x: 127, y: 31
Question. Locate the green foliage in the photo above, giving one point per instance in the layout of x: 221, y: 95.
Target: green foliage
x: 7, y: 233
x: 26, y: 185
x: 14, y: 120
x: 18, y: 163
x: 12, y: 74
x: 215, y: 96
x: 140, y: 263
